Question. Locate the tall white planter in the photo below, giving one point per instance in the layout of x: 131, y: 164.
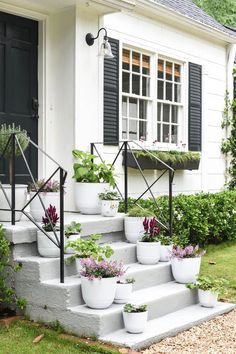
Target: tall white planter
x: 98, y: 293
x: 185, y: 270
x: 133, y: 228
x: 36, y: 209
x: 109, y: 207
x: 46, y: 247
x: 165, y: 253
x: 86, y: 197
x: 123, y: 293
x: 148, y: 252
x: 207, y: 298
x: 20, y: 201
x: 70, y: 250
x: 135, y: 322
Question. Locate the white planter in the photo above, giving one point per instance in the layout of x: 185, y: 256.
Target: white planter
x: 185, y: 270
x: 36, y: 209
x: 86, y: 197
x: 133, y: 228
x: 123, y: 293
x: 165, y: 253
x: 135, y: 322
x: 20, y: 201
x: 70, y: 250
x: 109, y: 207
x: 148, y: 252
x: 207, y: 298
x: 78, y: 266
x: 46, y: 247
x: 98, y: 293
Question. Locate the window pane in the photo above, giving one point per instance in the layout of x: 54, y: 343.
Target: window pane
x: 159, y: 132
x: 174, y: 114
x: 142, y: 130
x: 165, y: 133
x: 169, y: 91
x: 160, y: 69
x: 124, y: 106
x: 133, y: 130
x: 177, y: 93
x: 133, y: 108
x: 159, y: 106
x: 124, y: 128
x: 125, y: 82
x: 168, y: 71
x: 136, y: 84
x: 126, y: 59
x: 166, y: 113
x: 177, y: 73
x: 160, y: 88
x: 174, y: 129
x: 146, y: 85
x: 136, y: 62
x: 142, y: 109
x: 146, y: 65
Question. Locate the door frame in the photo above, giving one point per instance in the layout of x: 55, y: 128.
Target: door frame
x: 42, y: 20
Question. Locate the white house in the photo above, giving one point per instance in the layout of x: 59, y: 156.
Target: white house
x: 167, y: 82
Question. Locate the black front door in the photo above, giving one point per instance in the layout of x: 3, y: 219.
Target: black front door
x: 19, y: 85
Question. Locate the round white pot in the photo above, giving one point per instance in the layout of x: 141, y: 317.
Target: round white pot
x: 109, y: 207
x: 20, y: 201
x: 46, y: 247
x: 78, y: 266
x: 207, y: 298
x: 70, y: 250
x: 123, y: 293
x: 86, y: 197
x: 135, y: 322
x: 36, y: 209
x: 133, y: 228
x: 98, y: 293
x: 185, y: 270
x: 165, y: 253
x: 148, y: 252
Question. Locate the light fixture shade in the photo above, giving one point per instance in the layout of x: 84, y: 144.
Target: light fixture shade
x: 105, y: 50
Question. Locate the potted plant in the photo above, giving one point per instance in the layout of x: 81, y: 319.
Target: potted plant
x: 72, y: 232
x: 46, y: 247
x: 98, y: 282
x: 165, y: 248
x: 135, y: 318
x: 148, y: 248
x: 124, y: 290
x: 185, y: 263
x: 49, y: 195
x: 109, y: 203
x: 86, y: 248
x: 133, y: 223
x: 91, y: 179
x: 209, y: 289
x: 20, y: 189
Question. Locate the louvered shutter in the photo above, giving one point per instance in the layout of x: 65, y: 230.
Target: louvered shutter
x: 111, y: 96
x: 195, y: 107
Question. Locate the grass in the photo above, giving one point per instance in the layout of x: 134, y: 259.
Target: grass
x: 224, y: 257
x: 18, y: 339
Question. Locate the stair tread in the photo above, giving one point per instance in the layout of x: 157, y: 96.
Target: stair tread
x: 167, y: 325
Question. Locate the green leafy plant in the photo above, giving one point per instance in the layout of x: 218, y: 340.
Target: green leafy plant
x: 109, y: 196
x: 208, y: 283
x: 126, y: 281
x: 167, y: 240
x: 139, y: 212
x: 74, y: 228
x: 87, y: 171
x: 130, y: 308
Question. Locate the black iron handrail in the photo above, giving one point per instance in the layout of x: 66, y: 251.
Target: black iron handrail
x: 14, y: 141
x: 124, y: 147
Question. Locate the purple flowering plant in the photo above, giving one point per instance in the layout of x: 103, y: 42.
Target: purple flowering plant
x: 186, y: 252
x: 50, y: 186
x: 50, y: 215
x: 93, y: 269
x: 151, y: 230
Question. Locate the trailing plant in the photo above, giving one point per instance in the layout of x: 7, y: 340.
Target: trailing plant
x: 171, y: 157
x: 126, y: 281
x: 93, y: 269
x: 87, y: 171
x: 208, y: 283
x: 109, y: 196
x: 166, y: 240
x: 50, y: 186
x: 151, y: 230
x: 74, y: 228
x: 130, y: 308
x: 139, y: 212
x: 52, y: 216
x: 186, y: 252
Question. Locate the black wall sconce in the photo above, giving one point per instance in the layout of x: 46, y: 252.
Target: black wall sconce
x: 105, y: 50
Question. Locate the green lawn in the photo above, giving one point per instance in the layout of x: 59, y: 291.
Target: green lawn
x: 224, y: 257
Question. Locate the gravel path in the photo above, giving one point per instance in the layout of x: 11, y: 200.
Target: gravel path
x: 217, y: 336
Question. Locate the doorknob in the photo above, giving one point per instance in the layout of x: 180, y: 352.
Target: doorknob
x: 35, y: 108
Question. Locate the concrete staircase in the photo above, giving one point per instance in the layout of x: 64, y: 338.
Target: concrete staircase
x: 172, y: 308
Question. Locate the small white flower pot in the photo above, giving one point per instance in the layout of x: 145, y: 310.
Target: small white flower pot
x: 185, y: 270
x: 165, y: 253
x: 135, y: 322
x: 133, y: 228
x: 98, y: 293
x: 109, y: 207
x: 148, y: 252
x: 123, y: 293
x: 36, y: 209
x: 70, y: 250
x: 86, y: 197
x: 46, y: 247
x: 20, y: 201
x: 207, y: 298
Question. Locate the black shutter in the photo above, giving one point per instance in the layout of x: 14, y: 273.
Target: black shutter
x: 111, y: 96
x: 195, y: 107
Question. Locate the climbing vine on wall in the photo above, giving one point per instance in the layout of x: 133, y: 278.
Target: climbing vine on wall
x: 229, y: 145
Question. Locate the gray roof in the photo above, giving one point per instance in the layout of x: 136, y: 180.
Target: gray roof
x: 189, y: 9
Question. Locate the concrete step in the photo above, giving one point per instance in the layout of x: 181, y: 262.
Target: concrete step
x: 167, y: 326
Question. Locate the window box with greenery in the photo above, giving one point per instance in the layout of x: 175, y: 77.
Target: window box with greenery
x: 135, y: 318
x: 133, y: 223
x: 110, y: 203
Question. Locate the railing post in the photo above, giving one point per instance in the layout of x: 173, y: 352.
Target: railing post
x: 12, y: 177
x: 170, y: 202
x: 61, y: 226
x: 126, y: 175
